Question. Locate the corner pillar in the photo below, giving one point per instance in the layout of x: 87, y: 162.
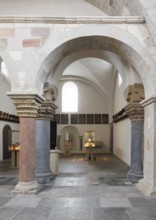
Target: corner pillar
x: 148, y: 184
x: 136, y: 114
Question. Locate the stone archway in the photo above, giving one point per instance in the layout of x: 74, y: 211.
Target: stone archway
x: 6, y: 141
x: 108, y: 37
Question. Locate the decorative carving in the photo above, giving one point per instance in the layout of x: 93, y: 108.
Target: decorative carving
x: 135, y: 111
x: 134, y: 93
x: 120, y: 116
x: 26, y: 105
x: 47, y: 110
x: 8, y: 117
x: 50, y: 92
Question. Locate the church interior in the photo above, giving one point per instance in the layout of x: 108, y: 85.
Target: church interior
x: 77, y: 110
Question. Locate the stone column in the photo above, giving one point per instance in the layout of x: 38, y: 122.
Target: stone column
x: 43, y: 120
x: 148, y: 183
x: 134, y: 94
x: 136, y: 115
x: 27, y: 107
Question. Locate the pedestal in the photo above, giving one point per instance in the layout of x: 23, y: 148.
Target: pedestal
x: 89, y: 153
x: 67, y: 148
x: 54, y: 161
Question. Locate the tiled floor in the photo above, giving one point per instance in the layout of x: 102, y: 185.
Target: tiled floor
x: 83, y: 190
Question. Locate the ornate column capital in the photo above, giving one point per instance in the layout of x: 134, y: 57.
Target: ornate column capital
x: 135, y: 111
x: 26, y: 105
x: 134, y: 93
x: 46, y: 110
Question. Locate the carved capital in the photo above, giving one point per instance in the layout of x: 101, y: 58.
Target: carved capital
x: 134, y: 93
x: 135, y: 111
x: 50, y: 92
x: 46, y: 110
x: 26, y: 105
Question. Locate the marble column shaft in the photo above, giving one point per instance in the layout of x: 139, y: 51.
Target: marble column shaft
x: 136, y: 115
x: 43, y: 172
x: 27, y: 150
x: 136, y: 171
x: 45, y: 114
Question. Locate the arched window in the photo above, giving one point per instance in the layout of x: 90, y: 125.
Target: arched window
x: 69, y: 97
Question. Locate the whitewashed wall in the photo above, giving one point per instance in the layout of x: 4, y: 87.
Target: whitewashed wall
x: 122, y: 129
x: 122, y: 140
x: 6, y: 105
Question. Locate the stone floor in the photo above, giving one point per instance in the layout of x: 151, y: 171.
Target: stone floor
x: 83, y: 190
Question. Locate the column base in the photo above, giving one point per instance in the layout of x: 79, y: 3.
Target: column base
x: 30, y: 188
x: 134, y: 177
x: 44, y: 177
x: 146, y: 188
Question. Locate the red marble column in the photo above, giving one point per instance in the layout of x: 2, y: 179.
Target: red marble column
x: 27, y: 150
x: 27, y: 107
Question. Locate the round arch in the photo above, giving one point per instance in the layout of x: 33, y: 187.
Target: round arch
x: 124, y: 44
x: 124, y: 7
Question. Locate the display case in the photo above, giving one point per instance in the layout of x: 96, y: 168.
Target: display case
x: 89, y: 144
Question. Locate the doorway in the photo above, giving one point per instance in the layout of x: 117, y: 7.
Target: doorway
x: 6, y: 142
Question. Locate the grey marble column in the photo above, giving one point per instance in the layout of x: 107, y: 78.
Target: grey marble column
x: 136, y: 171
x: 43, y: 120
x: 43, y: 172
x: 135, y: 113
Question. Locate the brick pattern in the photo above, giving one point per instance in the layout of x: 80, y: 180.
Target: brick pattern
x: 32, y: 42
x: 6, y: 32
x: 40, y: 32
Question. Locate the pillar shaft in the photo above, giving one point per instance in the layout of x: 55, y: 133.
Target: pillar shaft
x: 27, y: 150
x: 148, y: 183
x: 44, y: 116
x: 136, y: 171
x: 43, y: 172
x: 136, y: 115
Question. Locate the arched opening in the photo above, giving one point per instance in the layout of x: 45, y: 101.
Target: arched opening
x: 118, y: 70
x: 6, y: 142
x: 69, y: 97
